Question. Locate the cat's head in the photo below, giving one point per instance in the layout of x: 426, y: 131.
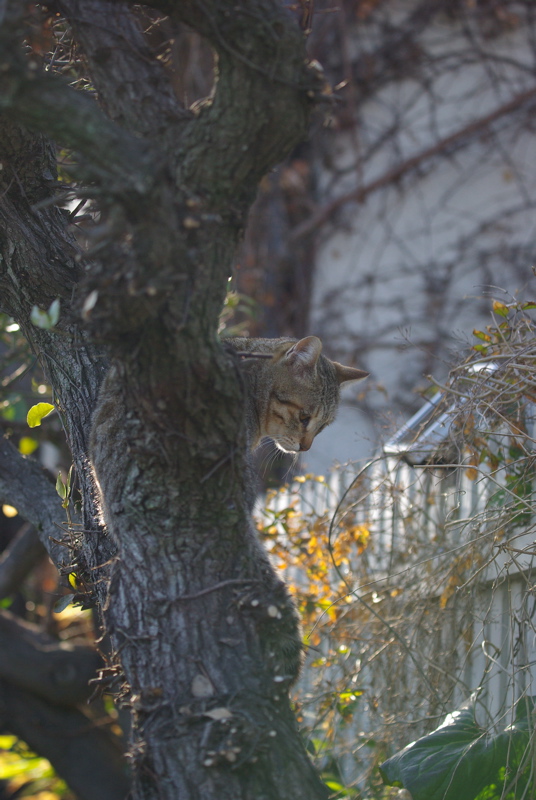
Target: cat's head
x: 305, y: 391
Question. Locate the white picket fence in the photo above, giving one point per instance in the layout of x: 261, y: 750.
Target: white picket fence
x: 423, y: 520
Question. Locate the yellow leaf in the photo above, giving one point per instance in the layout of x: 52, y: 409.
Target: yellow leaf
x: 472, y: 462
x: 27, y: 445
x: 452, y: 583
x: 481, y: 335
x: 9, y: 511
x: 37, y: 413
x: 500, y: 308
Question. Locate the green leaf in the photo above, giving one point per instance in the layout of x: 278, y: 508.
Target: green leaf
x: 46, y: 319
x: 335, y: 785
x: 460, y: 759
x: 500, y: 308
x: 38, y: 413
x: 61, y: 488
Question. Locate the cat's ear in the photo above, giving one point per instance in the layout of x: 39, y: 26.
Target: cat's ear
x: 349, y: 374
x: 303, y: 355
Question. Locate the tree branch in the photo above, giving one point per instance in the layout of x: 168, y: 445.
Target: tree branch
x: 133, y: 87
x: 45, y: 103
x: 447, y: 144
x: 39, y: 262
x: 32, y: 660
x: 85, y: 756
x: 266, y: 71
x: 25, y: 485
x: 18, y: 559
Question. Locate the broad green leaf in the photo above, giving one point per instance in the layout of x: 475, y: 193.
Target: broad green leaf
x: 37, y: 413
x: 460, y: 759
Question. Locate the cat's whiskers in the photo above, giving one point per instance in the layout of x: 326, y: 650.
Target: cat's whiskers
x: 289, y: 474
x: 269, y: 456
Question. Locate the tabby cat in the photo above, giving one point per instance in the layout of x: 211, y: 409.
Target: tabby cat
x: 294, y: 394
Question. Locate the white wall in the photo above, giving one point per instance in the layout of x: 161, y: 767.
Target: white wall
x: 403, y: 278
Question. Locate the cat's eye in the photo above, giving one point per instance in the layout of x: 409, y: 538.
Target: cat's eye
x: 305, y: 419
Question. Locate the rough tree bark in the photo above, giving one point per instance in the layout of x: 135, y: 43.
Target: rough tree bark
x: 189, y: 610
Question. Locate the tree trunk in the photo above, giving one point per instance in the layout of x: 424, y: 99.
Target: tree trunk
x: 195, y: 613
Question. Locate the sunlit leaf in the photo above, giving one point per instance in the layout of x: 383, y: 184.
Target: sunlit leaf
x: 27, y: 445
x: 460, y: 758
x: 334, y: 785
x: 61, y: 488
x: 37, y: 413
x: 9, y: 511
x: 46, y: 319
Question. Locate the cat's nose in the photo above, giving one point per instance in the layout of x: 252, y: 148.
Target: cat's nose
x: 306, y: 441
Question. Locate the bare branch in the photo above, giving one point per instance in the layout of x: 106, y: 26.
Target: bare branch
x: 25, y: 485
x: 45, y: 103
x: 133, y: 87
x: 443, y: 146
x: 56, y: 671
x: 85, y: 756
x: 22, y: 555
